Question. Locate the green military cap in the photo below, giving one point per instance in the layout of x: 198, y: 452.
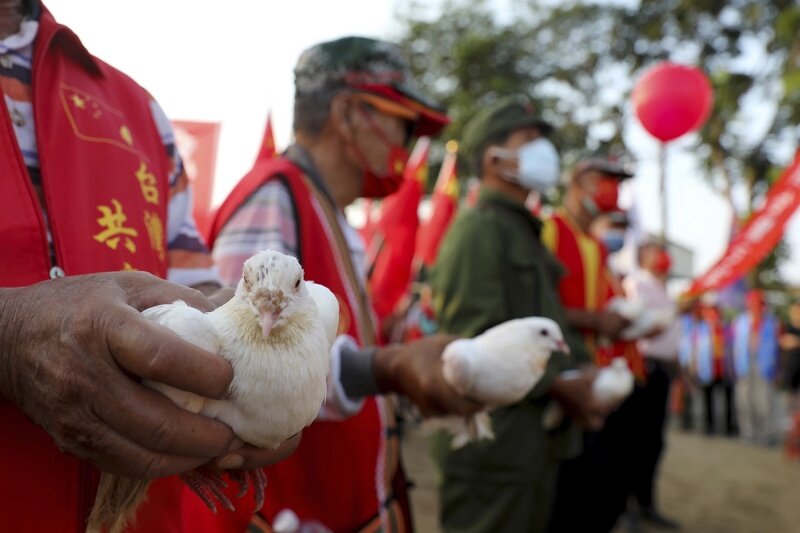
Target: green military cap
x: 504, y: 116
x: 370, y: 66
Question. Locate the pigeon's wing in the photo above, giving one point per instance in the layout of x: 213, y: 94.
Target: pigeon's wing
x: 193, y: 326
x: 328, y: 307
x: 503, y: 359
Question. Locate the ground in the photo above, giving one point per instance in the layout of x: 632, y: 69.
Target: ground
x: 709, y: 484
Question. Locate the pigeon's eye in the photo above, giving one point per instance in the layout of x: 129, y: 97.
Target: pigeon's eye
x: 297, y: 284
x: 544, y: 333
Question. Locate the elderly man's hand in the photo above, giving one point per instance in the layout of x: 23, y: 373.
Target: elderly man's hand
x: 71, y: 353
x: 415, y: 370
x: 611, y: 324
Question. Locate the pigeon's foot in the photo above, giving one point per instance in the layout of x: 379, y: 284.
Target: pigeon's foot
x: 210, y: 486
x: 245, y: 478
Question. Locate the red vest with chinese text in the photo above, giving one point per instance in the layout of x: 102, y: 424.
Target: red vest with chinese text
x: 342, y: 473
x: 104, y: 171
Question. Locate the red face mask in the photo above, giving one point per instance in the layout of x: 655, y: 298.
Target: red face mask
x: 376, y: 185
x: 606, y: 195
x: 663, y: 263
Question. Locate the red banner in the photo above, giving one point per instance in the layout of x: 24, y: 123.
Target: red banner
x: 444, y: 202
x: 759, y: 235
x: 197, y: 144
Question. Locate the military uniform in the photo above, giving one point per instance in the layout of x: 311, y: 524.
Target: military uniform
x: 492, y: 267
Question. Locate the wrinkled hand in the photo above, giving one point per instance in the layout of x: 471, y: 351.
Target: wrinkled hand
x: 611, y: 324
x: 575, y: 396
x: 415, y: 370
x: 71, y: 353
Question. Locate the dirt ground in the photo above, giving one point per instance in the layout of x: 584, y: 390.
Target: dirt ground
x: 709, y: 484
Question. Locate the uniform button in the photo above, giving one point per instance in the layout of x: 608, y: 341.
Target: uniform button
x: 5, y: 61
x: 56, y: 272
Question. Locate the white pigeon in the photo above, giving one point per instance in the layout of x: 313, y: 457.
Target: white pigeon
x: 643, y: 320
x: 276, y: 332
x: 499, y: 367
x: 612, y: 385
x: 614, y: 382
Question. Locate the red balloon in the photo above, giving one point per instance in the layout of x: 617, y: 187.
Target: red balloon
x: 671, y: 100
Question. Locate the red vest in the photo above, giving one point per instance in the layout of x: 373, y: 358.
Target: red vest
x: 588, y: 284
x: 104, y: 170
x: 343, y: 471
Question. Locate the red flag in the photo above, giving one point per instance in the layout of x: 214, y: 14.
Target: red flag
x: 267, y: 149
x: 444, y: 206
x: 197, y: 144
x: 759, y: 235
x: 395, y: 235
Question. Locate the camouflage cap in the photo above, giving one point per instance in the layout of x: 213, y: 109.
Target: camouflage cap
x: 501, y: 118
x: 371, y: 66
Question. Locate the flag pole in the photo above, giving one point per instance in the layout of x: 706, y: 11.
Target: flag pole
x: 662, y: 175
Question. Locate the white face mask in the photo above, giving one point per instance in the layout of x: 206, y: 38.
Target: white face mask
x: 539, y: 165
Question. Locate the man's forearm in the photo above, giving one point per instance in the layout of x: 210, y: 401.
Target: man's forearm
x: 582, y: 319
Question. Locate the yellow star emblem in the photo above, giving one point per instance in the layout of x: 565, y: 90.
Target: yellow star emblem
x: 79, y: 102
x: 125, y: 133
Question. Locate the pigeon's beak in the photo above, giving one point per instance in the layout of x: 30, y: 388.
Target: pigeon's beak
x: 563, y: 347
x: 267, y: 320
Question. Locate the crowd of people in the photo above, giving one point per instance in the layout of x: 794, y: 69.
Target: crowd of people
x: 92, y: 189
x: 748, y: 359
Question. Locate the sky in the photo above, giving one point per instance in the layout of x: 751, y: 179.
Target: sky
x: 232, y: 62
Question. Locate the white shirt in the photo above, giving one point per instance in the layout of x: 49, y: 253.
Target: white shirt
x: 643, y: 287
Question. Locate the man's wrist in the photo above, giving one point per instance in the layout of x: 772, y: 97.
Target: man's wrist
x: 384, y: 366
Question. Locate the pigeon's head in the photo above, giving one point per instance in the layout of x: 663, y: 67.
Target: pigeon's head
x: 547, y: 335
x: 545, y: 338
x: 272, y: 285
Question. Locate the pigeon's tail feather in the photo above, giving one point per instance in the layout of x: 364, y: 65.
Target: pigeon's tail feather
x: 116, y: 503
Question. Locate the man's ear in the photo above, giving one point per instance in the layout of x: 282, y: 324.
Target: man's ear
x: 343, y: 115
x: 489, y: 160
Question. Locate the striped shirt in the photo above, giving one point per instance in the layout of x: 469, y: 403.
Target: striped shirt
x: 189, y: 260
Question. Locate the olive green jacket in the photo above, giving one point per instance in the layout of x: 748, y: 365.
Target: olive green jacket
x: 491, y: 268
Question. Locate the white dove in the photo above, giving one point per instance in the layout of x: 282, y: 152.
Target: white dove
x: 613, y: 383
x: 499, y: 367
x: 611, y: 386
x: 276, y: 332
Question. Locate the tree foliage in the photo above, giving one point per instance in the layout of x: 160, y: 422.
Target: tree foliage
x: 581, y: 59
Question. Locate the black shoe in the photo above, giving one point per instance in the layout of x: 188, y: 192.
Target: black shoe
x: 656, y: 519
